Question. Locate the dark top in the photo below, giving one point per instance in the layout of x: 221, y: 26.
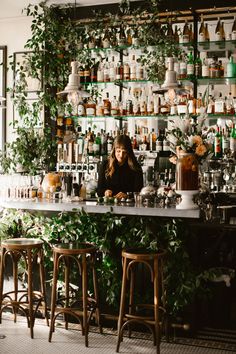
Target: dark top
x: 124, y: 179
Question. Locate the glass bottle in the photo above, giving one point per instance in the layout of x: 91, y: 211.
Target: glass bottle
x: 126, y: 71
x: 233, y: 31
x: 202, y: 32
x: 218, y: 144
x: 218, y: 31
x: 114, y: 107
x: 122, y: 41
x: 112, y: 69
x: 230, y: 67
x: 119, y: 71
x: 133, y: 68
x: 107, y: 105
x: 106, y: 41
x: 220, y: 105
x: 190, y: 66
x: 176, y: 34
x: 186, y: 37
x: 207, y: 36
x: 205, y: 68
x: 198, y: 66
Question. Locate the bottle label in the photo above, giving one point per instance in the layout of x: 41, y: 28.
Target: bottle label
x: 202, y: 37
x: 190, y: 69
x: 205, y: 71
x: 90, y: 111
x: 219, y: 107
x: 182, y: 108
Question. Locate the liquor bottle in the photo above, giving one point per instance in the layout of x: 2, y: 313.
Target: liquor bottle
x: 152, y: 140
x: 225, y: 141
x: 190, y: 66
x: 191, y: 32
x: 232, y: 140
x: 87, y: 78
x: 99, y: 108
x: 126, y: 71
x: 221, y: 69
x: 150, y: 105
x: 210, y: 105
x: 186, y: 34
x: 103, y: 143
x: 199, y: 105
x: 222, y: 29
x: 182, y: 68
x: 218, y: 31
x: 169, y: 33
x: 135, y: 143
x: 202, y: 32
x: 81, y: 109
x: 106, y: 70
x: 122, y: 41
x: 114, y: 107
x: 198, y: 67
x: 97, y: 145
x: 109, y: 143
x: 205, y: 68
x: 233, y: 31
x: 139, y: 71
x: 218, y: 144
x: 100, y: 72
x: 129, y: 36
x: 106, y: 41
x: 133, y: 68
x: 176, y: 34
x: 112, y: 69
x: 119, y: 71
x: 229, y: 104
x: 90, y: 107
x: 230, y: 67
x: 136, y: 105
x: 93, y: 72
x: 143, y: 104
x: 107, y: 105
x: 220, y: 105
x: 90, y: 144
x: 159, y: 141
x: 207, y: 36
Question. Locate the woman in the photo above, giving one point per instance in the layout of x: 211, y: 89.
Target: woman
x: 121, y: 173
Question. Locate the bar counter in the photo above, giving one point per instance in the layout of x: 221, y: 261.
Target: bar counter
x: 94, y: 207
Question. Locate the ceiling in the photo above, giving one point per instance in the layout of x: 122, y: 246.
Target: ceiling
x: 13, y: 8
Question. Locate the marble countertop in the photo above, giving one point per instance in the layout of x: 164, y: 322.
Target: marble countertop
x: 94, y: 207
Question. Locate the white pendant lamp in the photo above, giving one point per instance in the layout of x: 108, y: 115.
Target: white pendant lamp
x: 73, y: 88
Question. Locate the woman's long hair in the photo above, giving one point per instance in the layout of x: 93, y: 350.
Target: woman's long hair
x: 122, y: 141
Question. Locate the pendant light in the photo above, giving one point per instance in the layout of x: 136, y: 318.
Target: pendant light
x: 171, y: 83
x: 73, y: 89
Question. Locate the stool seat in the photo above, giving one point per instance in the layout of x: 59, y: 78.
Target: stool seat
x: 83, y: 254
x: 153, y: 262
x: 29, y: 299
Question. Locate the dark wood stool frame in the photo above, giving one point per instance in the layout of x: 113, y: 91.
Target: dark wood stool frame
x: 154, y: 262
x: 30, y: 250
x: 79, y: 252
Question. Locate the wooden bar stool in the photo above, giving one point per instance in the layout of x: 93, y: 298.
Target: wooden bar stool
x: 153, y: 261
x: 82, y: 307
x: 26, y: 300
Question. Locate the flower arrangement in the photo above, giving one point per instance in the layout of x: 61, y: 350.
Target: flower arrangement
x: 185, y: 134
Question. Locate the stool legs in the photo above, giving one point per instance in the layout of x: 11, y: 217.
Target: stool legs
x: 53, y: 299
x: 156, y: 307
x: 122, y: 305
x: 95, y: 286
x: 14, y: 299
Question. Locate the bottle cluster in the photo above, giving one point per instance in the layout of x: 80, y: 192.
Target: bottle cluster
x: 224, y: 141
x: 110, y: 69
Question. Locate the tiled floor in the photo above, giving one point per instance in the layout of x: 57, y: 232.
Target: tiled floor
x: 17, y: 340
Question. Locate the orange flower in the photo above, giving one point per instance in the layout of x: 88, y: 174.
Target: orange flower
x: 201, y: 150
x: 197, y: 140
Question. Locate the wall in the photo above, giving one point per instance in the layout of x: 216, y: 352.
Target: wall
x: 14, y: 33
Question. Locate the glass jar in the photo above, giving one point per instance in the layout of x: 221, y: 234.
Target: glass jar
x: 187, y: 171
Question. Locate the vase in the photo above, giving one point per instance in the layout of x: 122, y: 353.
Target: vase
x: 187, y: 179
x: 187, y: 172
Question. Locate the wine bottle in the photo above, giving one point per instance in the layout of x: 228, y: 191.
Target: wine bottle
x: 202, y: 32
x: 218, y: 31
x: 233, y: 31
x: 186, y: 37
x: 190, y: 66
